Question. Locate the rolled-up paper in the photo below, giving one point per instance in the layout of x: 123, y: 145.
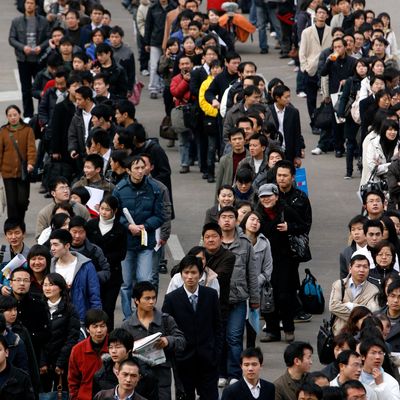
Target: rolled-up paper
x: 15, y: 263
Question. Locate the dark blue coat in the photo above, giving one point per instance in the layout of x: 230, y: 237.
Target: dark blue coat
x: 145, y: 204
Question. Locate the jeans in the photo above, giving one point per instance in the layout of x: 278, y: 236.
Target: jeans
x: 155, y: 80
x: 265, y: 14
x: 253, y: 13
x: 212, y: 145
x: 27, y: 73
x: 234, y: 338
x: 157, y: 257
x: 185, y: 139
x: 137, y: 267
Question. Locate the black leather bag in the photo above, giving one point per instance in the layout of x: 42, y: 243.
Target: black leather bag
x: 300, y: 247
x: 267, y: 304
x: 323, y: 116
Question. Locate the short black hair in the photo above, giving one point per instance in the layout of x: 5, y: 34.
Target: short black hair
x: 85, y: 92
x: 244, y: 174
x: 20, y: 269
x: 358, y: 219
x: 211, y: 226
x: 104, y: 48
x: 295, y: 350
x: 102, y: 76
x: 310, y: 388
x: 77, y: 221
x: 102, y: 137
x: 94, y: 316
x: 352, y: 384
x: 82, y: 56
x: 358, y: 257
x: 119, y: 156
x: 13, y: 223
x: 228, y: 209
x: 125, y: 106
x: 344, y: 356
x: 140, y: 287
x: 122, y: 336
x: 232, y: 55
x: 95, y: 159
x: 82, y: 192
x: 287, y: 165
x: 117, y: 30
x: 191, y: 261
x: 7, y: 303
x: 260, y: 137
x: 139, y: 133
x: 252, y: 352
x: 62, y: 235
x: 366, y: 345
x: 235, y: 131
x: 372, y: 223
x: 345, y: 338
x: 40, y: 250
x: 279, y: 91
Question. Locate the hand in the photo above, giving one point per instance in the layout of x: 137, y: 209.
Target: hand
x: 254, y: 306
x: 342, y: 82
x: 51, y: 44
x: 297, y: 162
x: 186, y: 76
x: 5, y: 291
x: 136, y: 230
x: 30, y: 168
x: 37, y: 50
x: 74, y: 154
x: 282, y: 227
x: 215, y: 103
x: 59, y: 371
x: 147, y: 48
x: 43, y: 370
x: 162, y: 343
x: 27, y: 50
x: 96, y: 70
x: 327, y: 100
x: 56, y: 156
x: 302, y: 153
x: 162, y: 242
x: 377, y: 374
x: 168, y: 53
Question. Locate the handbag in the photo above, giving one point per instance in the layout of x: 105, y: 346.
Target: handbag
x: 267, y: 304
x: 166, y: 131
x: 58, y: 394
x: 323, y: 116
x: 3, y: 200
x: 299, y: 245
x: 311, y: 294
x: 24, y: 164
x: 335, y: 97
x: 325, y: 337
x: 381, y: 185
x: 134, y: 98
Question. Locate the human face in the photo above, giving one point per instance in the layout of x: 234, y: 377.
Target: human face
x: 284, y: 179
x: 147, y: 302
x: 190, y: 276
x: 194, y: 31
x: 227, y: 221
x: 73, y: 87
x: 98, y: 331
x: 232, y: 65
x: 377, y: 85
x: 137, y: 171
x: 78, y: 236
x: 344, y: 7
x: 192, y: 6
x: 106, y: 20
x: 243, y: 187
x: 384, y: 102
x: 253, y: 224
x: 15, y: 237
x: 393, y: 302
x: 374, y: 205
x: 106, y: 211
x: 78, y: 64
x: 378, y: 48
x: 361, y: 70
x: 356, y: 394
x: 349, y: 44
x: 306, y: 363
x: 252, y: 99
x: 214, y: 18
x: 242, y: 211
x: 352, y: 370
x: 51, y: 291
x: 226, y: 198
x: 273, y: 159
x: 237, y: 141
x: 90, y: 171
x: 369, y: 17
x: 188, y: 48
x: 357, y: 233
x: 215, y: 71
x: 21, y: 282
x: 185, y: 65
x: 10, y: 315
x: 128, y: 377
x: 104, y: 58
x: 212, y: 241
x: 3, y: 357
x: 96, y: 16
x: 374, y: 359
x: 174, y: 48
x: 66, y: 49
x: 248, y: 129
x: 321, y: 15
x: 76, y: 199
x: 251, y: 369
x: 256, y: 149
x: 98, y: 38
x: 339, y: 48
x: 210, y: 56
x: 359, y: 271
x: 284, y: 100
x: 80, y: 101
x: 56, y: 37
x: 58, y: 250
x: 100, y: 87
x: 359, y: 21
x: 306, y: 396
x: 115, y: 39
x: 13, y: 116
x: 338, y: 349
x: 30, y: 6
x: 61, y: 84
x: 248, y: 70
x: 117, y: 352
x: 358, y: 40
x: 38, y: 264
x: 269, y: 201
x: 71, y: 21
x: 391, y: 133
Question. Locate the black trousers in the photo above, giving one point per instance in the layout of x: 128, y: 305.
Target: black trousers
x: 311, y: 89
x: 27, y: 73
x: 17, y: 195
x: 109, y: 294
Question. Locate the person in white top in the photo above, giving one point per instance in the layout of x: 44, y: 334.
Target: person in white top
x: 384, y: 385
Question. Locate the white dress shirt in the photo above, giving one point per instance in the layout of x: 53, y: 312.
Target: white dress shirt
x: 255, y: 390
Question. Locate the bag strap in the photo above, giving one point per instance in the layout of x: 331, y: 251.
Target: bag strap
x: 2, y: 252
x: 11, y: 135
x: 343, y: 289
x: 308, y: 272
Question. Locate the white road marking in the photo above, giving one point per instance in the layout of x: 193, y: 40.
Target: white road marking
x: 175, y: 248
x: 16, y: 76
x: 11, y: 95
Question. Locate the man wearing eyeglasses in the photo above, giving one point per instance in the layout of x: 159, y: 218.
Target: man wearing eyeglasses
x: 384, y: 385
x: 31, y: 309
x: 373, y: 203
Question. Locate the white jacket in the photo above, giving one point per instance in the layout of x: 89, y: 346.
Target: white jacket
x: 371, y: 395
x: 388, y: 389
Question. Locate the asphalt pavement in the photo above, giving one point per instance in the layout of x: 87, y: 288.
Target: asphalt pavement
x: 334, y: 201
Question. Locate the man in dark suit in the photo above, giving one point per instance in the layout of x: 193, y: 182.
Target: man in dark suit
x: 250, y: 386
x: 196, y: 311
x: 287, y: 120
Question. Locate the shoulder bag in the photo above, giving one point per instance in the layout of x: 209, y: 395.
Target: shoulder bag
x: 24, y: 165
x: 300, y: 247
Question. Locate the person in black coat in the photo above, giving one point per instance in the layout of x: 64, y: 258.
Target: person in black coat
x: 196, y: 311
x: 251, y: 361
x: 107, y: 232
x: 64, y: 328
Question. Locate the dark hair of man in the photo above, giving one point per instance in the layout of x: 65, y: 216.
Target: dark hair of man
x: 96, y: 160
x: 7, y: 303
x: 134, y: 160
x: 337, y: 29
x: 97, y: 30
x: 125, y: 106
x: 313, y: 376
x: 358, y: 257
x: 128, y: 361
x: 375, y: 77
x: 322, y: 7
x: 102, y: 76
x: 395, y: 284
x: 261, y: 138
x: 39, y: 250
x: 235, y: 131
x: 213, y: 49
x: 366, y: 345
x: 244, y: 174
x: 117, y: 30
x: 60, y: 180
x: 243, y: 64
x: 348, y: 35
x: 57, y: 29
x: 390, y: 73
x: 358, y: 219
x: 125, y: 138
x: 345, y: 338
x: 72, y: 11
x: 119, y: 156
x: 85, y: 92
x: 121, y: 336
x: 295, y: 350
x: 20, y: 269
x: 392, y: 213
x: 358, y: 14
x: 97, y: 7
x: 104, y: 48
x: 209, y: 36
x: 61, y: 235
x: 279, y: 91
x: 362, y: 2
x: 140, y: 287
x: 211, y: 226
x: 191, y: 261
x: 252, y: 112
x: 66, y: 40
x: 352, y: 384
x: 73, y: 78
x: 54, y: 60
x: 232, y: 55
x: 310, y: 389
x: 83, y: 193
x: 374, y: 192
x: 244, y: 119
x: 139, y: 133
x: 344, y: 356
x: 250, y: 90
x: 273, y: 83
x: 227, y: 209
x: 215, y: 64
x: 339, y: 40
x: 94, y: 316
x: 3, y: 341
x: 102, y: 137
x: 185, y: 14
x: 278, y: 150
x: 195, y: 23
x: 287, y: 165
x: 77, y: 221
x: 13, y: 223
x: 196, y: 250
x: 380, y: 40
x: 61, y: 73
x: 252, y: 352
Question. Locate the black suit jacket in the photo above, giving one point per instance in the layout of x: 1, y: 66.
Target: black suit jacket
x: 294, y: 140
x: 240, y: 390
x: 202, y: 329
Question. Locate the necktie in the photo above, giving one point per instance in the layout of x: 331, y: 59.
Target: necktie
x: 193, y: 300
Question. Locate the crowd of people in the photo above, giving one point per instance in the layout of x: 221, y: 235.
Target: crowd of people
x: 103, y: 234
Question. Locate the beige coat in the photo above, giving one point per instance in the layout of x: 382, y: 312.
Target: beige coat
x: 338, y: 307
x: 310, y: 48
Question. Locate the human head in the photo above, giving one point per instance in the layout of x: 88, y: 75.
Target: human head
x: 100, y: 140
x: 13, y: 114
x: 373, y: 230
x: 8, y: 306
x: 55, y: 286
x: 191, y: 269
x: 251, y: 361
x: 120, y: 344
x: 309, y: 391
x: 374, y: 201
x: 137, y: 169
x: 108, y: 207
x: 60, y: 243
x: 251, y: 223
x: 268, y: 195
x: 243, y: 207
x: 80, y: 195
x: 359, y: 268
x: 96, y: 324
x: 128, y: 375
x: 232, y: 61
x: 356, y: 317
x: 299, y: 356
x: 93, y: 166
x: 225, y: 196
x: 356, y: 228
x: 373, y: 352
x: 227, y: 217
x: 343, y: 341
x: 39, y: 259
x: 237, y: 140
x: 116, y: 36
x: 124, y: 112
x: 77, y: 228
x: 145, y: 296
x: 281, y: 95
x: 212, y: 237
x: 285, y: 174
x: 353, y: 389
x: 14, y: 231
x: 244, y: 179
x: 84, y: 97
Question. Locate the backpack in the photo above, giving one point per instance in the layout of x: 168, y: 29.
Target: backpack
x: 311, y: 294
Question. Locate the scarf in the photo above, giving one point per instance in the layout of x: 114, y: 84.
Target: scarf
x: 105, y: 225
x: 53, y: 306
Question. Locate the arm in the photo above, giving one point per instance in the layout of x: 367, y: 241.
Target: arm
x: 141, y: 19
x: 303, y: 52
x: 212, y: 91
x: 74, y: 376
x: 205, y: 106
x: 337, y: 306
x: 92, y: 287
x: 104, y: 273
x: 13, y: 38
x: 179, y: 86
x: 157, y: 219
x: 266, y: 265
x: 252, y: 278
x: 175, y: 337
x: 344, y: 266
x: 344, y: 98
x: 73, y: 136
x: 31, y: 148
x: 148, y: 28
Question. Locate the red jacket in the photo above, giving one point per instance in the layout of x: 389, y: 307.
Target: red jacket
x: 180, y: 90
x: 83, y: 363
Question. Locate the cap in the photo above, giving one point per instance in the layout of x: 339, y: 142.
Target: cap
x: 268, y: 189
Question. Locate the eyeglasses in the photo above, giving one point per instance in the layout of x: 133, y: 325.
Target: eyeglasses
x: 377, y: 353
x: 20, y: 280
x: 63, y: 188
x: 378, y: 201
x: 387, y: 255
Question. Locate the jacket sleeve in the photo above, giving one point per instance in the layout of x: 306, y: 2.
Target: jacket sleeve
x: 73, y: 330
x: 344, y: 268
x: 303, y: 53
x: 299, y: 139
x: 393, y: 178
x: 141, y: 19
x: 266, y: 266
x: 148, y: 27
x: 228, y: 126
x: 157, y: 219
x: 13, y: 37
x: 104, y: 273
x: 179, y: 87
x: 336, y: 304
x: 252, y: 278
x: 36, y: 87
x: 205, y: 106
x: 73, y: 141
x: 93, y: 287
x: 21, y: 357
x: 74, y: 375
x: 175, y: 337
x: 31, y: 150
x: 344, y: 98
x: 212, y: 92
x: 56, y: 140
x: 44, y: 108
x: 167, y: 212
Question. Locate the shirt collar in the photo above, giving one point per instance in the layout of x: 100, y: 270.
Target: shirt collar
x: 116, y: 396
x: 279, y: 111
x: 352, y: 283
x: 251, y: 386
x: 189, y: 294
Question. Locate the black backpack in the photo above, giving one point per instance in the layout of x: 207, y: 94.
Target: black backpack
x: 311, y: 294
